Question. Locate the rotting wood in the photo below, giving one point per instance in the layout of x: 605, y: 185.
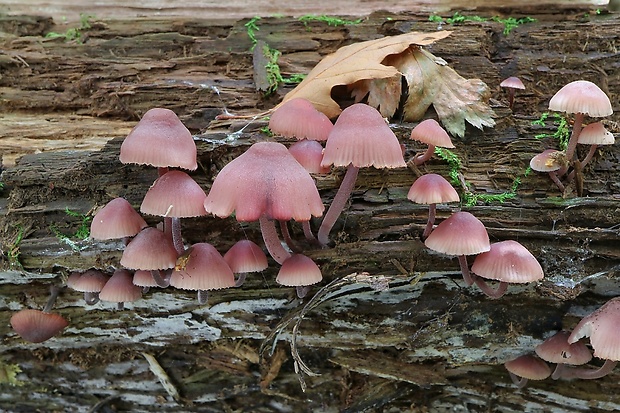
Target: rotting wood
x: 450, y: 340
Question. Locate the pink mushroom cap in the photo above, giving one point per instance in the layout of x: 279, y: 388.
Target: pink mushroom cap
x: 430, y: 132
x: 361, y: 137
x: 508, y: 261
x: 204, y: 269
x: 602, y: 328
x: 581, y: 96
x: 117, y: 219
x: 432, y: 189
x: 299, y: 118
x: 595, y: 134
x: 120, y: 288
x: 299, y: 270
x: 265, y: 180
x: 528, y: 367
x: 460, y: 234
x: 245, y: 256
x: 512, y: 82
x: 309, y: 154
x: 161, y: 140
x: 149, y: 250
x: 91, y: 281
x: 556, y: 349
x: 36, y: 326
x: 174, y: 194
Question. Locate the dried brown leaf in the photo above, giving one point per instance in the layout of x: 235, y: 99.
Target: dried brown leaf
x: 353, y: 63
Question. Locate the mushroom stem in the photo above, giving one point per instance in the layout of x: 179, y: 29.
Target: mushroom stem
x: 338, y: 203
x: 511, y: 97
x: 203, y: 296
x: 572, y: 142
x: 585, y: 373
x: 559, y: 371
x: 490, y: 291
x: 91, y: 298
x: 241, y: 279
x: 120, y: 306
x: 287, y: 237
x: 162, y: 280
x: 432, y: 208
x: 554, y: 177
x: 177, y: 238
x: 589, y: 156
x: 308, y: 232
x: 465, y: 270
x: 519, y: 381
x: 420, y: 159
x: 54, y: 291
x: 302, y: 290
x: 272, y: 241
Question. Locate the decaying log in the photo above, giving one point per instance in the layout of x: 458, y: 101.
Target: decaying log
x: 426, y: 343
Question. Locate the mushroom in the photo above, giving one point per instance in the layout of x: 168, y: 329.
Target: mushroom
x: 300, y: 272
x: 506, y: 262
x: 432, y: 189
x: 461, y: 234
x: 310, y: 155
x: 594, y: 135
x: 550, y: 161
x: 430, y: 132
x: 582, y: 98
x: 360, y: 138
x: 556, y: 349
x: 527, y: 367
x: 511, y: 84
x: 144, y: 279
x: 90, y: 283
x: 602, y: 328
x: 120, y: 289
x: 117, y: 219
x: 174, y: 195
x: 299, y: 118
x: 265, y: 184
x: 150, y: 250
x: 37, y: 326
x: 202, y: 269
x: 244, y: 257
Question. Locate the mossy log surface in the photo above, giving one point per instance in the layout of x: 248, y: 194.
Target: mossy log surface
x: 427, y: 343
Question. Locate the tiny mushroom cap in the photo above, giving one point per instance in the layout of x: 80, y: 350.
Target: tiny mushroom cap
x: 556, y: 349
x: 460, y: 234
x: 149, y: 250
x: 299, y: 118
x: 174, y: 194
x: 203, y: 269
x: 549, y: 160
x: 362, y: 138
x: 117, y: 219
x: 120, y: 288
x: 430, y: 132
x: 299, y: 270
x: 602, y: 328
x: 527, y: 367
x: 309, y: 154
x: 161, y: 140
x: 508, y: 261
x: 91, y: 281
x: 245, y: 256
x: 595, y: 134
x: 266, y: 180
x: 144, y: 278
x: 432, y: 189
x: 37, y: 326
x: 512, y: 82
x: 581, y: 96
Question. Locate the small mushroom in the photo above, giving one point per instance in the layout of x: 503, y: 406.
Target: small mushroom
x: 432, y: 189
x: 556, y: 349
x: 300, y: 272
x: 512, y: 84
x: 430, y: 132
x: 37, y: 326
x: 244, y: 257
x: 120, y: 289
x: 527, y: 367
x: 298, y: 118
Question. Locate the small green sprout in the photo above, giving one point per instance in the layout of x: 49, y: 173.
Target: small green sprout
x: 562, y: 132
x: 453, y: 162
x: 251, y: 29
x: 274, y: 76
x: 80, y: 234
x: 73, y: 33
x: 330, y: 20
x: 511, y: 22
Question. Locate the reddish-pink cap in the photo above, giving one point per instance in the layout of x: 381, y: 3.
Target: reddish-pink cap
x: 174, y: 194
x: 529, y: 367
x: 120, y: 288
x: 602, y: 328
x: 508, y: 261
x: 556, y: 349
x: 144, y: 278
x: 299, y: 270
x: 460, y: 234
x: 92, y: 281
x: 512, y: 83
x: 432, y: 189
x: 309, y: 154
x: 581, y: 96
x: 595, y: 134
x: 430, y: 132
x: 245, y: 256
x: 298, y: 118
x: 36, y: 326
x: 548, y: 160
x: 203, y: 269
x: 362, y: 138
x: 161, y: 140
x: 265, y: 180
x: 149, y: 250
x: 117, y: 219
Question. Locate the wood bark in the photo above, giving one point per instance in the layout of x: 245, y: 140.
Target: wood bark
x: 426, y: 343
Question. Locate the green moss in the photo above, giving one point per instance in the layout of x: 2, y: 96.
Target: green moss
x: 561, y: 133
x: 274, y: 76
x: 330, y: 20
x: 73, y: 33
x: 8, y: 374
x: 251, y: 29
x: 81, y: 233
x: 457, y: 18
